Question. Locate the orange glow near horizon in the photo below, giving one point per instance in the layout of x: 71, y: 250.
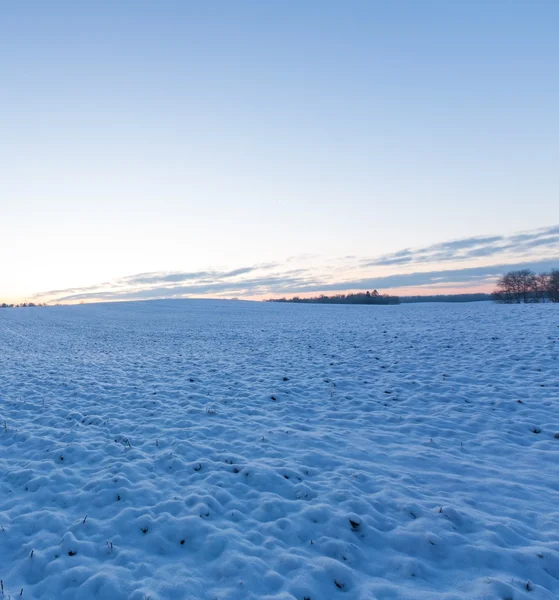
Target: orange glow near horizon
x: 407, y: 291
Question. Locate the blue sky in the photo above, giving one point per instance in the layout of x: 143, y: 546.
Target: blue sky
x: 178, y: 138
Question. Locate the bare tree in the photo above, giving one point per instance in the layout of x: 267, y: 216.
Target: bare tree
x: 553, y: 286
x: 524, y: 281
x: 519, y: 286
x: 525, y: 286
x: 504, y: 292
x: 540, y: 286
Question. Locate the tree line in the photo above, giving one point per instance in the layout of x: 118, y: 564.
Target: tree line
x: 525, y: 286
x: 477, y: 297
x: 359, y: 298
x: 22, y: 305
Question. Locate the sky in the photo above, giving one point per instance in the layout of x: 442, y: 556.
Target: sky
x: 262, y: 148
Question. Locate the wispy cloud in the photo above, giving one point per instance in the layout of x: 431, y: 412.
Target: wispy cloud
x: 474, y: 247
x: 247, y: 287
x: 448, y: 276
x: 145, y: 285
x: 410, y: 268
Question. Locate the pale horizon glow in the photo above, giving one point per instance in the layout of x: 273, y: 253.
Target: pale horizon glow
x: 305, y: 145
x: 463, y: 265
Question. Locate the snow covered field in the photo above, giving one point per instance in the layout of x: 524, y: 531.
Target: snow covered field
x: 222, y: 450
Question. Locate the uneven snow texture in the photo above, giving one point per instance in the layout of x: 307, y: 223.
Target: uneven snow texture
x: 229, y: 450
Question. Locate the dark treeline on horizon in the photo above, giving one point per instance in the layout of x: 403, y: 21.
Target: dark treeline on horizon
x: 359, y: 298
x: 22, y: 305
x: 363, y: 298
x: 527, y: 287
x: 446, y: 298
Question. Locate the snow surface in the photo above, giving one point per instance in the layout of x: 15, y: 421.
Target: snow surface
x: 224, y: 450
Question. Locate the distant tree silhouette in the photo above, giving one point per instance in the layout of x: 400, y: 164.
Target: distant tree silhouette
x: 478, y: 297
x: 524, y: 286
x: 361, y: 298
x: 553, y: 286
x: 540, y: 286
x: 22, y: 305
